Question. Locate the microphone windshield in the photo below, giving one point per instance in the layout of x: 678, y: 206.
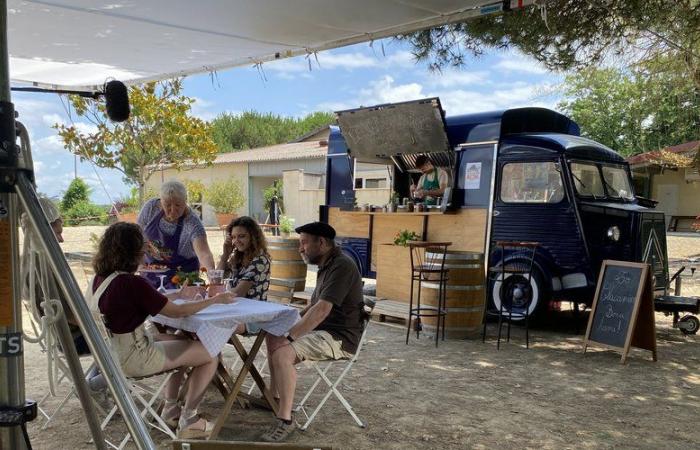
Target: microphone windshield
x: 117, y: 101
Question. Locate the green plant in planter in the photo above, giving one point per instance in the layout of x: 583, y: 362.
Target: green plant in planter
x: 224, y: 196
x: 286, y: 225
x: 403, y: 236
x: 394, y: 198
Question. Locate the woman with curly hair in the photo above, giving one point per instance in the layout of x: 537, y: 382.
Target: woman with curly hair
x: 125, y: 300
x: 246, y: 262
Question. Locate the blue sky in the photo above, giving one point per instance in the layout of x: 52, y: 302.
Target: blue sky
x: 359, y: 75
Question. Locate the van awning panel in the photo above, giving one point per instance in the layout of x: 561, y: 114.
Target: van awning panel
x: 377, y: 133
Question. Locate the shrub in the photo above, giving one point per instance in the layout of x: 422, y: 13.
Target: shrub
x: 195, y: 190
x: 225, y: 196
x: 286, y: 224
x: 274, y: 190
x: 85, y: 213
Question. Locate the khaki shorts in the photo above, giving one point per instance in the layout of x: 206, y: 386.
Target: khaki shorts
x: 319, y: 346
x: 138, y: 355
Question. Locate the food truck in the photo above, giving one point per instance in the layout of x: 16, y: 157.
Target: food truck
x: 522, y: 174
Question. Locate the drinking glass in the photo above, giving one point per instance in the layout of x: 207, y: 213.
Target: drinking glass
x: 215, y: 276
x: 162, y: 289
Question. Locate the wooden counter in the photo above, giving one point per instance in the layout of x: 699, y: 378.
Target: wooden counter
x: 465, y: 228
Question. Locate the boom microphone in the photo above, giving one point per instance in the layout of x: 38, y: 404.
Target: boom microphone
x: 116, y: 101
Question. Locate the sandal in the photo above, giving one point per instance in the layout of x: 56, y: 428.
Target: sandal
x: 279, y: 432
x: 190, y: 432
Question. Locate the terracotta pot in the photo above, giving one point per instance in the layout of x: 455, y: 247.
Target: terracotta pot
x: 225, y: 218
x: 127, y: 217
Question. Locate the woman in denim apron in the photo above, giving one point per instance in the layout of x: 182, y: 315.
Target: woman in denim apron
x: 176, y: 237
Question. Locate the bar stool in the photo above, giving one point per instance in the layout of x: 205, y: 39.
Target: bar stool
x: 433, y: 270
x: 521, y: 256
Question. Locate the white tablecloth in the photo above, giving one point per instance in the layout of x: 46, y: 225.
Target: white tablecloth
x: 215, y: 324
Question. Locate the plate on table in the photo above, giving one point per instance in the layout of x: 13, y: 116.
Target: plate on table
x: 147, y: 269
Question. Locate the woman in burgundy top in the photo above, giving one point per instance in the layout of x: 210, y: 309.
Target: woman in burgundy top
x: 125, y: 300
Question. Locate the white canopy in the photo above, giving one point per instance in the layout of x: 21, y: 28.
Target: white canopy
x: 78, y: 44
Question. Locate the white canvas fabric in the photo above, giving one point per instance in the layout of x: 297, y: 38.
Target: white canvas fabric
x: 79, y: 44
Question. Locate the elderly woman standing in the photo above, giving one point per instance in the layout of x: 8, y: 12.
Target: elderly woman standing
x: 176, y: 236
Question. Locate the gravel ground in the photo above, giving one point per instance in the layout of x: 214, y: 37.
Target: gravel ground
x: 466, y: 394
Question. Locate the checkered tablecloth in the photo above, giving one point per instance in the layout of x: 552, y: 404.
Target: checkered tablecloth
x: 215, y: 324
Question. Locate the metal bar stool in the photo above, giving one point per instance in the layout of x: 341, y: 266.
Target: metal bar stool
x: 432, y: 269
x: 517, y: 258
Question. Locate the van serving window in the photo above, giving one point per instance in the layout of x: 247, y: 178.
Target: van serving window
x: 531, y: 182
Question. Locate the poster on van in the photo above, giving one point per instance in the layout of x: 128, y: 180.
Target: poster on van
x: 472, y: 176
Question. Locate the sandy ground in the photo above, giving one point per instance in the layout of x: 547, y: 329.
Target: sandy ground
x: 466, y: 394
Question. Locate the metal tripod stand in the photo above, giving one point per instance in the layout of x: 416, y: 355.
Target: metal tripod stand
x: 17, y: 189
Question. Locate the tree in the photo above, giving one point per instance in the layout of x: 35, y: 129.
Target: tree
x: 76, y: 207
x: 252, y: 129
x: 571, y: 34
x: 78, y: 191
x: 159, y: 131
x: 633, y: 111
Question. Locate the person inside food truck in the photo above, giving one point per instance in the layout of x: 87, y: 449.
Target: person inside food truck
x: 431, y: 184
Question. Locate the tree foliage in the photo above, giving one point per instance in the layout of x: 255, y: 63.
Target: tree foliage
x: 252, y: 129
x: 76, y: 207
x: 77, y: 191
x: 159, y: 131
x: 633, y: 111
x: 571, y: 34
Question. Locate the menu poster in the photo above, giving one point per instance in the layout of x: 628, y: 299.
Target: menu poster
x: 472, y: 177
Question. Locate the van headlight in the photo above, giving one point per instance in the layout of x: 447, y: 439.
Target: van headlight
x: 614, y: 233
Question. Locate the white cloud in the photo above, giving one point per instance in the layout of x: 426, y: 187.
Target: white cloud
x: 49, y: 145
x: 383, y: 90
x: 517, y: 62
x: 53, y: 118
x: 469, y: 101
x: 202, y: 109
x: 454, y: 101
x: 451, y: 78
x: 304, y: 66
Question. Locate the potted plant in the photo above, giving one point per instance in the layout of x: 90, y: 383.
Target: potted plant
x: 403, y: 236
x: 286, y: 226
x: 393, y: 202
x: 225, y: 197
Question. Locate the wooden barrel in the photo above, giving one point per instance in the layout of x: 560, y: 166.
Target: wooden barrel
x: 464, y: 295
x: 287, y: 263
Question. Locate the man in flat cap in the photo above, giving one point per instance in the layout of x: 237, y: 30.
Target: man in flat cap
x: 330, y: 327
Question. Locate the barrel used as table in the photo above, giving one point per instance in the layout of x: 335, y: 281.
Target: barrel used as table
x: 287, y: 263
x: 464, y: 296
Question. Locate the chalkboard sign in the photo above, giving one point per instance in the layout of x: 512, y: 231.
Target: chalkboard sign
x: 622, y: 313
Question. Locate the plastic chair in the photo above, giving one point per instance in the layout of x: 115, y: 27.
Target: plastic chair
x: 323, y: 368
x: 428, y: 269
x: 517, y: 258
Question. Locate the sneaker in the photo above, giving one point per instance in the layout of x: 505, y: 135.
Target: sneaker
x: 279, y: 432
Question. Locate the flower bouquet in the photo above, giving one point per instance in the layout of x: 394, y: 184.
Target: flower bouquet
x: 192, y: 278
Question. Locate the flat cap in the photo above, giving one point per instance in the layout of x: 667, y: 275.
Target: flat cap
x: 317, y: 229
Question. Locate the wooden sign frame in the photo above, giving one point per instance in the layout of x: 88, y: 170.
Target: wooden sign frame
x: 641, y: 332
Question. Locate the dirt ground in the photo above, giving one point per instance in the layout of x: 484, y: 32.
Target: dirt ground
x: 467, y: 394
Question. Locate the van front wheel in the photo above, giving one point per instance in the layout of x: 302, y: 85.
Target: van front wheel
x: 519, y: 295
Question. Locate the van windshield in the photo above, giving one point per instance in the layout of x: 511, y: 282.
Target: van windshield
x: 617, y: 183
x: 587, y: 180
